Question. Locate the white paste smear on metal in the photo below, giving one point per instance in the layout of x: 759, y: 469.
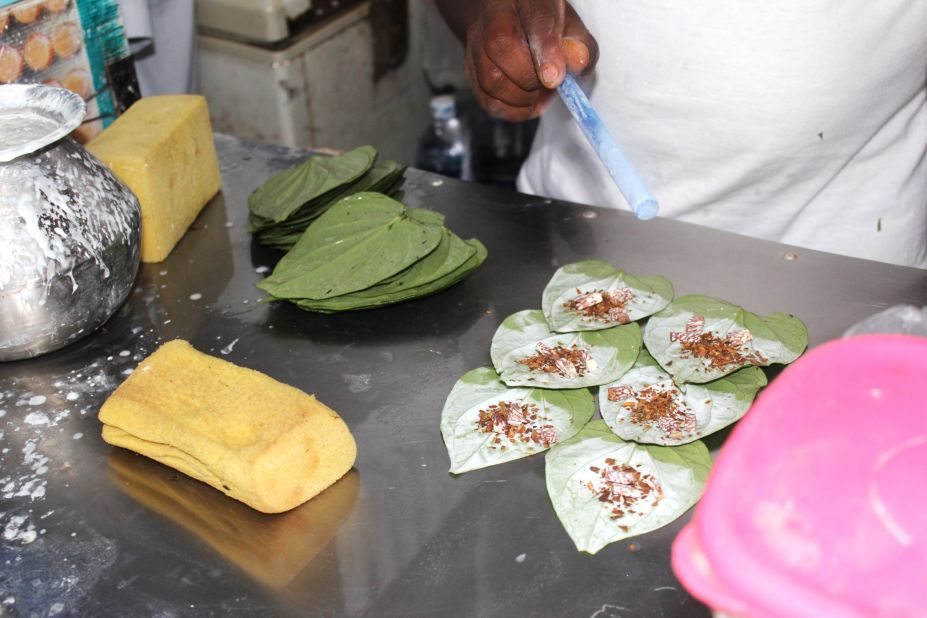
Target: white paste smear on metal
x: 47, y: 229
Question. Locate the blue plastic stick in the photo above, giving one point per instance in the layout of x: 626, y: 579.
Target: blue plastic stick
x: 630, y: 184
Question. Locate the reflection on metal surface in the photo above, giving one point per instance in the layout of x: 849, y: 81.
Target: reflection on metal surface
x: 272, y: 549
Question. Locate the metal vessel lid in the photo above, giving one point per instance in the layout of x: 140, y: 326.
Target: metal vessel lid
x: 33, y: 116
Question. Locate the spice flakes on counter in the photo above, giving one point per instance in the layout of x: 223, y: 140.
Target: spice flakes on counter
x: 568, y: 362
x: 518, y: 422
x: 602, y: 305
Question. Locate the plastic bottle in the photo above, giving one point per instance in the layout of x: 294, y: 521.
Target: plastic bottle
x: 444, y: 148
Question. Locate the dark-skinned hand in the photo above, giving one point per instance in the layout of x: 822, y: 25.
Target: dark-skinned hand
x: 518, y: 51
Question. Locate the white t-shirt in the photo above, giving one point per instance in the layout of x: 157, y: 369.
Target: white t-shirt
x: 801, y: 121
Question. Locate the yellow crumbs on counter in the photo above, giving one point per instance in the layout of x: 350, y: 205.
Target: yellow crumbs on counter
x: 257, y: 440
x: 162, y: 149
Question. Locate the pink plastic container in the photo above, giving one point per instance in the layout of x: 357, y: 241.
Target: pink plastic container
x: 817, y: 505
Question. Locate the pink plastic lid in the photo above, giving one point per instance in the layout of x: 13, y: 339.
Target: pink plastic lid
x: 817, y: 504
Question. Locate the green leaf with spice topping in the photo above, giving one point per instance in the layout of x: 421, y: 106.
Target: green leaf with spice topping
x: 646, y: 406
x: 359, y: 242
x: 604, y: 489
x: 700, y: 339
x: 594, y: 295
x: 526, y: 353
x: 485, y: 422
x: 285, y: 192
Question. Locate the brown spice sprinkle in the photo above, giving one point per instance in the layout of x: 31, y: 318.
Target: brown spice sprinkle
x: 651, y: 405
x: 655, y: 406
x: 720, y: 353
x: 623, y: 488
x: 602, y: 305
x: 518, y: 422
x: 568, y: 362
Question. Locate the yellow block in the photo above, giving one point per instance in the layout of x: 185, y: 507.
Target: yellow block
x: 255, y: 439
x: 162, y: 149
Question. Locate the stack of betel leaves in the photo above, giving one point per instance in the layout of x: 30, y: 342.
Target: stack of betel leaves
x: 284, y: 206
x: 693, y: 370
x: 353, y: 250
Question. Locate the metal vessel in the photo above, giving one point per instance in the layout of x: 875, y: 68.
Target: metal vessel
x: 69, y: 229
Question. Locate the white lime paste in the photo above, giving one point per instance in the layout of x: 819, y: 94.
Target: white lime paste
x: 18, y: 128
x: 56, y: 217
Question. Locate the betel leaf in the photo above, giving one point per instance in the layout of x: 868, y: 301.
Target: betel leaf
x: 360, y: 241
x: 425, y: 216
x: 283, y: 241
x: 450, y: 253
x: 354, y: 301
x: 437, y: 270
x: 645, y: 405
x: 385, y: 177
x: 485, y: 422
x: 526, y: 353
x: 604, y: 489
x: 699, y: 338
x: 594, y: 295
x: 285, y: 192
x: 275, y: 232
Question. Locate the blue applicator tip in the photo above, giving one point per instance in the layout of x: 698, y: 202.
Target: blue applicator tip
x: 629, y: 182
x: 646, y: 210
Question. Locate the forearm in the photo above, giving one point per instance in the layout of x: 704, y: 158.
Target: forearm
x: 458, y: 14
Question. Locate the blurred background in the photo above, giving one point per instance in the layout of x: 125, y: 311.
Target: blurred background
x: 319, y: 74
x: 327, y: 74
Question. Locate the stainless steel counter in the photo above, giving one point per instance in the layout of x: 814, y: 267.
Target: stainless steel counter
x: 89, y: 530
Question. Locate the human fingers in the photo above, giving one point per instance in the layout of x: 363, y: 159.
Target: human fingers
x: 542, y: 22
x: 488, y: 76
x: 497, y: 107
x: 580, y: 47
x: 505, y: 43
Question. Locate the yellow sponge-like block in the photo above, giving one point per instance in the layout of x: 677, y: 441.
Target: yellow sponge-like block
x: 162, y: 149
x: 262, y: 442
